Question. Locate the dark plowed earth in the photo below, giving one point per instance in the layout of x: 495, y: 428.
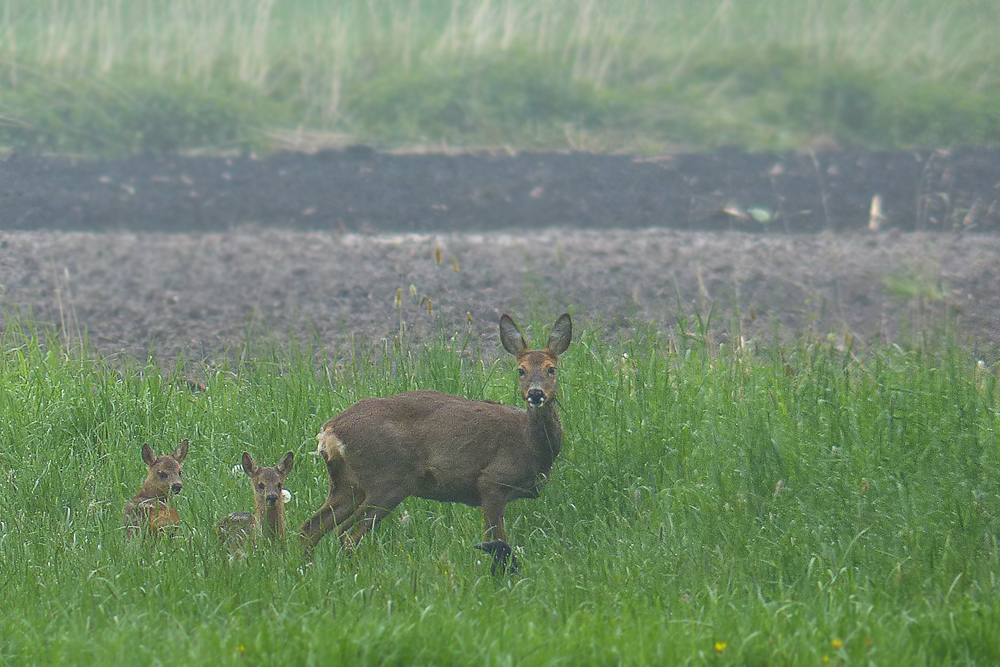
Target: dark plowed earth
x: 170, y: 254
x: 362, y: 190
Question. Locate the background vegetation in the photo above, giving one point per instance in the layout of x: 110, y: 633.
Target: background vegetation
x: 798, y: 505
x: 125, y: 76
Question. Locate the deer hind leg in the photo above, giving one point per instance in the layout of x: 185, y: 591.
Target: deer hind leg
x: 336, y: 511
x: 375, y: 508
x: 345, y: 494
x: 494, y: 503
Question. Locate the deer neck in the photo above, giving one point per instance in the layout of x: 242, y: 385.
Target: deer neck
x: 271, y: 518
x: 147, y: 493
x: 545, y: 430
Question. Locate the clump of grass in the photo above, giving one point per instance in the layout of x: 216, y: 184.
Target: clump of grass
x: 108, y: 76
x: 131, y: 115
x: 506, y: 100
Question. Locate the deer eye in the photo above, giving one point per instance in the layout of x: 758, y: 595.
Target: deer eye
x: 520, y: 372
x: 552, y: 371
x: 260, y: 486
x: 163, y: 475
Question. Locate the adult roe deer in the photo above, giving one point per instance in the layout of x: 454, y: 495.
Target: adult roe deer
x: 432, y: 445
x: 150, y: 508
x: 268, y: 516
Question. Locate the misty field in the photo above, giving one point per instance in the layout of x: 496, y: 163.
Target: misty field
x: 118, y: 77
x: 793, y: 504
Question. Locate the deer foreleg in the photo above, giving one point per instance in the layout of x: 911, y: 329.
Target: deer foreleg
x: 495, y: 535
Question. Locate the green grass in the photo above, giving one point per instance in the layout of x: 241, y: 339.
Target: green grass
x: 117, y: 77
x: 785, y: 507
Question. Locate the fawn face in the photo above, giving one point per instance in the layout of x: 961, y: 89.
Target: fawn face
x: 164, y: 476
x: 267, y: 482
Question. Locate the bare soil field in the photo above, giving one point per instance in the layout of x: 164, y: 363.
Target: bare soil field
x: 192, y: 255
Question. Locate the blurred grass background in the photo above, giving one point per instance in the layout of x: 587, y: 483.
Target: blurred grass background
x: 129, y: 76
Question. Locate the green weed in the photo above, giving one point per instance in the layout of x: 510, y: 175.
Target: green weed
x: 711, y: 505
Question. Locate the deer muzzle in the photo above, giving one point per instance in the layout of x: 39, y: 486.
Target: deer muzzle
x: 535, y: 398
x: 176, y: 488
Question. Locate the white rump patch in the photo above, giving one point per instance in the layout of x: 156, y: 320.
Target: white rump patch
x: 329, y: 445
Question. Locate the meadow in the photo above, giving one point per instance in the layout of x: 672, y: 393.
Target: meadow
x: 116, y: 77
x: 789, y: 504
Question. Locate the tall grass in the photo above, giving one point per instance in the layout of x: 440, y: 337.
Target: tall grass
x: 711, y: 505
x: 636, y: 74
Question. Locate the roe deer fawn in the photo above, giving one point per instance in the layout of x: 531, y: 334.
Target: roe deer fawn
x: 268, y: 515
x: 432, y: 445
x: 149, y: 509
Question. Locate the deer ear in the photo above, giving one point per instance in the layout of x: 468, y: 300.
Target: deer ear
x: 561, y: 334
x: 181, y: 452
x: 510, y: 336
x: 249, y: 465
x: 148, y: 455
x: 285, y: 464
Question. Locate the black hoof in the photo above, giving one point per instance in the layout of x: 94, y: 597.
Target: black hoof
x: 503, y: 557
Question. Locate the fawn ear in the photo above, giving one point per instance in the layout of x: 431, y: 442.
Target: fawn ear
x: 249, y: 465
x: 285, y: 464
x: 148, y: 455
x: 561, y: 334
x: 511, y: 336
x: 181, y: 452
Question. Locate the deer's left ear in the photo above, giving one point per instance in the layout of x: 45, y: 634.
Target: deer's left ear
x: 285, y: 464
x: 562, y: 333
x: 181, y: 452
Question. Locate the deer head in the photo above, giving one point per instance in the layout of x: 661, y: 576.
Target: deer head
x: 537, y: 368
x: 267, y: 482
x: 164, y: 475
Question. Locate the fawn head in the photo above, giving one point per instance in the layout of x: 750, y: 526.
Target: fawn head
x: 537, y: 368
x: 164, y: 476
x: 267, y: 482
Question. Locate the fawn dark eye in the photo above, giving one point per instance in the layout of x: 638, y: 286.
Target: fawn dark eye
x: 552, y: 371
x: 520, y: 372
x: 163, y: 475
x: 260, y: 486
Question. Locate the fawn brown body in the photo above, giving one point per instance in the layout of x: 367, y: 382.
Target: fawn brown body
x: 443, y: 447
x: 268, y: 516
x: 149, y: 509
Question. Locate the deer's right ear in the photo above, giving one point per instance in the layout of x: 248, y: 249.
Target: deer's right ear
x: 249, y: 465
x: 148, y: 455
x: 510, y: 336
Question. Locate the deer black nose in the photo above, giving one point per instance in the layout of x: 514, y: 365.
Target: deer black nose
x: 176, y: 488
x: 536, y: 397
